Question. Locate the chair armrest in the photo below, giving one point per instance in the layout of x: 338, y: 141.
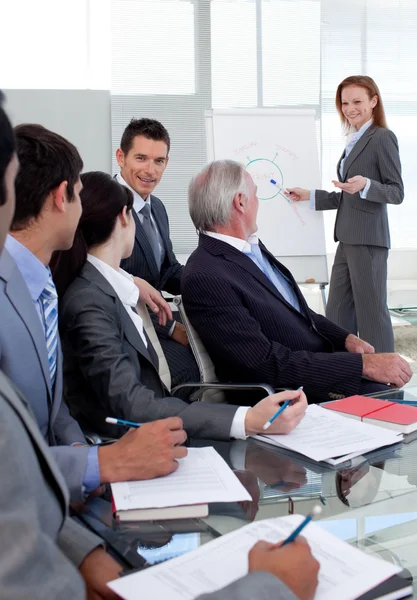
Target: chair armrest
x: 94, y: 439
x: 222, y: 386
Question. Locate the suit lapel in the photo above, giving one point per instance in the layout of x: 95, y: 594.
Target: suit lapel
x: 133, y: 335
x: 19, y: 296
x: 236, y: 256
x: 21, y: 407
x: 90, y: 273
x: 57, y: 394
x: 356, y: 150
x: 142, y: 240
x: 158, y: 216
x: 288, y: 275
x: 338, y: 166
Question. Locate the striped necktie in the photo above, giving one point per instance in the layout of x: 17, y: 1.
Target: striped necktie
x: 49, y: 300
x: 150, y: 232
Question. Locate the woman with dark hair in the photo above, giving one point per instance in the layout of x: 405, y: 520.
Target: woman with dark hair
x: 110, y: 366
x: 369, y: 178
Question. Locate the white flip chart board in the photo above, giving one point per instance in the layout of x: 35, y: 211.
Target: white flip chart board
x: 278, y: 144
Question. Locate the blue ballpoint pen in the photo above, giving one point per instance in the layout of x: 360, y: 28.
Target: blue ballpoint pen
x: 114, y: 421
x: 316, y: 511
x: 279, y: 411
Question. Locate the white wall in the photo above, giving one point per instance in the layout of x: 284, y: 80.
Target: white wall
x: 402, y: 264
x: 81, y: 116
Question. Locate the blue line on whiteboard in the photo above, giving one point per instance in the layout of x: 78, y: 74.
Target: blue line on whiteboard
x: 273, y: 171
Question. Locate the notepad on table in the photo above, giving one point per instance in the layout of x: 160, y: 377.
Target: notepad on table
x: 202, y: 477
x: 325, y: 435
x: 384, y: 413
x: 346, y: 573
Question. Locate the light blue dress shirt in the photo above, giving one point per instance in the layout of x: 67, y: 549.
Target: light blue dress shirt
x: 251, y: 248
x: 36, y: 276
x: 355, y: 138
x: 278, y: 280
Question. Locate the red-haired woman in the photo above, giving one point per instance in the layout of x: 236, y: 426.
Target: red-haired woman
x: 369, y: 178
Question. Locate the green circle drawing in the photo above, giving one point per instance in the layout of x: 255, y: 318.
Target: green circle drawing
x: 279, y: 179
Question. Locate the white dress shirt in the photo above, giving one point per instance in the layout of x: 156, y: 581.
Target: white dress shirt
x: 125, y: 288
x: 238, y: 243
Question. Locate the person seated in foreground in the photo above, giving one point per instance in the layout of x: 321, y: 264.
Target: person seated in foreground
x: 44, y: 554
x: 110, y: 366
x: 249, y: 311
x: 45, y: 215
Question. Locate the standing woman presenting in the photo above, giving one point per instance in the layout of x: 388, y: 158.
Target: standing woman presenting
x: 369, y: 173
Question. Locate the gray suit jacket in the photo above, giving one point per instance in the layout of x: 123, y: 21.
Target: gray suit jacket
x: 108, y: 371
x: 38, y: 539
x: 365, y: 221
x: 24, y: 359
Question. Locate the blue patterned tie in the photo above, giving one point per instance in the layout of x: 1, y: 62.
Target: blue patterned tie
x: 49, y: 300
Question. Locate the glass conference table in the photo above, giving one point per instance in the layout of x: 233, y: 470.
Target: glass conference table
x: 372, y: 504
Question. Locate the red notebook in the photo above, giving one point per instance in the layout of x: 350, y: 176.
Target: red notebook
x: 377, y: 412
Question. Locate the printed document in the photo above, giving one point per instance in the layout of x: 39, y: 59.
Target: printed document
x: 202, y: 477
x: 345, y: 572
x: 325, y: 435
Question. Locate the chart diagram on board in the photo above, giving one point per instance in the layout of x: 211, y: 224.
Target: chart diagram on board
x: 269, y: 178
x: 278, y: 145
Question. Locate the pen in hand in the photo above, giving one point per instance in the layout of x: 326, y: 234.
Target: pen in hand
x: 316, y: 511
x: 279, y: 411
x: 279, y: 186
x: 114, y: 421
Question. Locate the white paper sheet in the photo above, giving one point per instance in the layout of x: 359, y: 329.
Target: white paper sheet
x: 202, y: 477
x: 345, y: 571
x: 323, y: 434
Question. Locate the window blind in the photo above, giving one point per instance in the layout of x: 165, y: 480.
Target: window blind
x: 174, y: 59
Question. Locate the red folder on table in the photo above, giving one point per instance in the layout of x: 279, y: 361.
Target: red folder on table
x: 377, y: 412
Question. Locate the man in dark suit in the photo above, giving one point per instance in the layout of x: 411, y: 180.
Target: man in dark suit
x: 249, y: 311
x: 143, y: 158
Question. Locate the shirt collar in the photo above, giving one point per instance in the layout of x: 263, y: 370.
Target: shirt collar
x: 34, y: 272
x: 138, y: 201
x: 238, y: 243
x: 121, y: 282
x: 357, y: 134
